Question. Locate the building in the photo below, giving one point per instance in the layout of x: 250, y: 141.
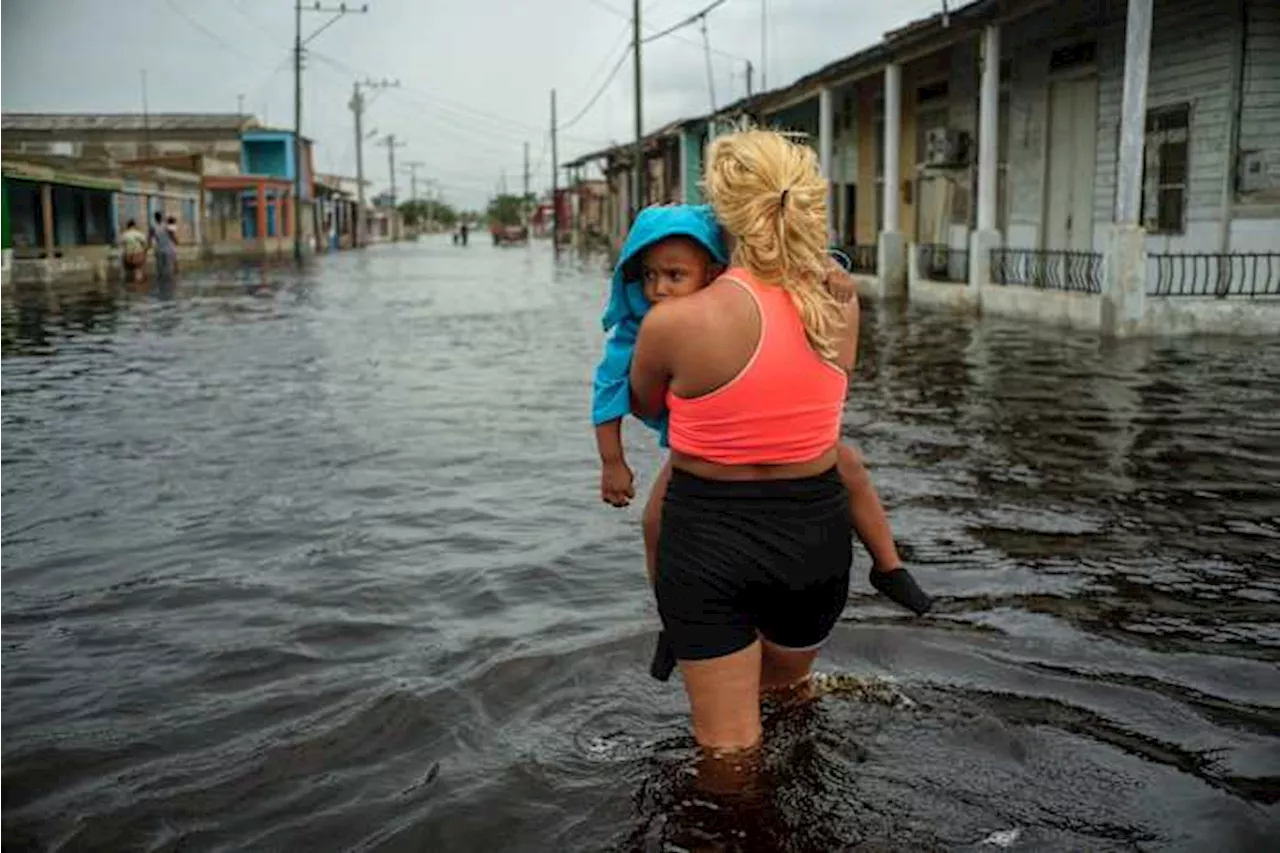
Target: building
x: 336, y: 212
x: 586, y: 221
x: 244, y: 202
x: 1113, y: 164
x: 59, y: 220
x: 125, y: 136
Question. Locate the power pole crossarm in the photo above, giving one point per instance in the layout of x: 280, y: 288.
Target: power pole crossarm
x: 357, y: 107
x: 298, y: 42
x: 390, y: 141
x: 555, y: 166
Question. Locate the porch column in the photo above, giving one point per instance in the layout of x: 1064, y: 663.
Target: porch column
x: 892, y: 260
x: 262, y: 216
x: 1125, y: 288
x: 988, y: 129
x: 986, y: 237
x: 198, y: 225
x: 46, y: 209
x: 1133, y: 112
x: 826, y: 122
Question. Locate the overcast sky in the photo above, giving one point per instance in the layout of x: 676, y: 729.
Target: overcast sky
x: 475, y: 75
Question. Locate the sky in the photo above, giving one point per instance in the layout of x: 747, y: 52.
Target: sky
x: 475, y: 75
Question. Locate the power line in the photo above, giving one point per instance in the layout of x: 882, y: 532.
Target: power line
x: 692, y: 19
x: 673, y: 35
x: 176, y: 9
x: 591, y: 103
x: 443, y: 103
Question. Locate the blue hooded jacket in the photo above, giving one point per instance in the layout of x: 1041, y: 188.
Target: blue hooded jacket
x: 611, y: 389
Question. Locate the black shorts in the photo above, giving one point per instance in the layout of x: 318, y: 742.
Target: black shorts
x: 737, y: 560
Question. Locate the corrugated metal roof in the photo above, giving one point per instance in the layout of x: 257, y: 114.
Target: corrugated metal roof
x: 125, y: 122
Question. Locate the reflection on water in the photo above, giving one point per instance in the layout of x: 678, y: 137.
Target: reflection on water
x: 315, y: 561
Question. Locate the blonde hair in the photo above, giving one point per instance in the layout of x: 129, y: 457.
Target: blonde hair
x: 768, y: 194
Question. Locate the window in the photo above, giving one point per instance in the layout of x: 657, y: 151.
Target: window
x: 1165, y: 168
x: 938, y: 91
x: 1075, y: 55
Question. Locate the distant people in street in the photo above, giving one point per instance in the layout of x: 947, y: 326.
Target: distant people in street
x: 171, y: 225
x: 463, y: 230
x: 166, y: 248
x: 133, y: 251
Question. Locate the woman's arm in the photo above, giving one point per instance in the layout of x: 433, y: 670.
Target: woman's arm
x: 651, y: 363
x: 847, y: 345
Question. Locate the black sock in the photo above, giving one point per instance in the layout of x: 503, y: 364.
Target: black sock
x: 899, y: 587
x: 664, y: 659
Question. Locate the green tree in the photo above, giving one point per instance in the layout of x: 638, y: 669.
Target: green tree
x: 508, y: 209
x: 424, y: 211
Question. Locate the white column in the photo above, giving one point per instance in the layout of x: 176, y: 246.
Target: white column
x: 891, y: 260
x: 1133, y: 112
x: 1124, y: 292
x: 988, y: 130
x: 826, y: 129
x: 892, y: 134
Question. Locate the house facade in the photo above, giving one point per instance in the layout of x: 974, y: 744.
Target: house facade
x: 1114, y: 164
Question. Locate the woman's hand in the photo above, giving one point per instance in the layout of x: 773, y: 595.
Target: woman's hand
x: 617, y: 483
x: 840, y: 284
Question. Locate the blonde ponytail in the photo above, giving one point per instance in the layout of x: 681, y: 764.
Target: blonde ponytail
x: 768, y: 193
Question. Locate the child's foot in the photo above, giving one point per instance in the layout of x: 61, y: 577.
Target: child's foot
x: 898, y: 586
x: 664, y: 659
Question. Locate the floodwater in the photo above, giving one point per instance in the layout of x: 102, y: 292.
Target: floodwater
x: 317, y: 562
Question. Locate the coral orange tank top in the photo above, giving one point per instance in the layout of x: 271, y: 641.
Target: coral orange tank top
x: 783, y: 407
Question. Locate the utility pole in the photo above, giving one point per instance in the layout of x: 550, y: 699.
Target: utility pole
x: 390, y: 141
x: 764, y: 61
x: 524, y: 199
x: 749, y: 70
x: 555, y: 168
x: 357, y: 107
x: 298, y: 41
x: 412, y: 169
x: 146, y: 117
x: 638, y: 184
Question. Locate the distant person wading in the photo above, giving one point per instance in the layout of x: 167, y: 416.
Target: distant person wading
x: 164, y: 240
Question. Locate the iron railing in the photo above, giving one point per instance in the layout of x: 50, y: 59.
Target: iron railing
x: 862, y: 259
x: 939, y: 262
x: 1244, y: 275
x: 1080, y: 272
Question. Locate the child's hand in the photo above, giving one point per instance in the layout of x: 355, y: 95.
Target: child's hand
x: 617, y: 483
x: 840, y: 284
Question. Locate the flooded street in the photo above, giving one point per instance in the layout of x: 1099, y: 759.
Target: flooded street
x: 318, y: 562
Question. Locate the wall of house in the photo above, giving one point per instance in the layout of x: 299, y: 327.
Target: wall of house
x: 1256, y: 227
x: 267, y: 154
x: 1191, y: 63
x: 844, y: 160
x: 694, y: 141
x: 798, y: 118
x: 1193, y: 46
x: 117, y: 145
x: 868, y: 222
x: 1026, y: 43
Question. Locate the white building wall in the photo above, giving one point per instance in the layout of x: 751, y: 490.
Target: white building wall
x: 1256, y: 226
x: 1191, y: 63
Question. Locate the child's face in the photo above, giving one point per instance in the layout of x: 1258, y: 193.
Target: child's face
x: 675, y: 267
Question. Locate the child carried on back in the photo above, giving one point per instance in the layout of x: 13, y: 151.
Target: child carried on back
x: 671, y: 252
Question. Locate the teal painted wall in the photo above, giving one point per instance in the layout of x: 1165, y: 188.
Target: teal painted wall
x: 694, y: 139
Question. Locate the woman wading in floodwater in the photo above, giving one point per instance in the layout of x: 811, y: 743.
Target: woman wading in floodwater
x: 754, y: 555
